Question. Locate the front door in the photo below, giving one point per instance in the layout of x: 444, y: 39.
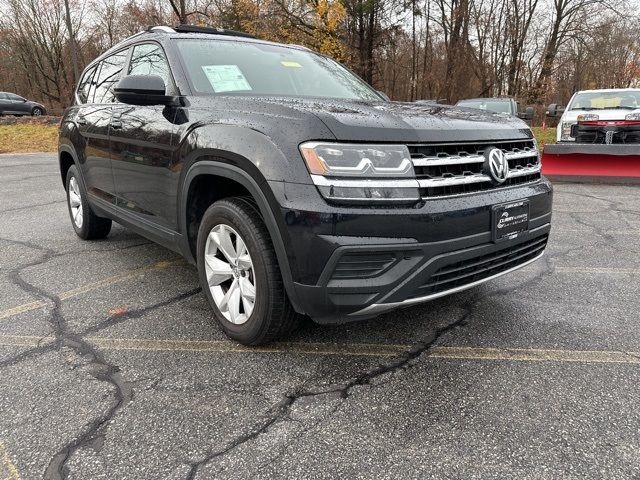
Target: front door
x: 142, y: 147
x: 94, y: 119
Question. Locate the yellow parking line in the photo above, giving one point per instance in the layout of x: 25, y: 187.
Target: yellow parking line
x: 347, y: 349
x: 27, y: 307
x: 537, y: 355
x: 605, y: 270
x: 8, y: 470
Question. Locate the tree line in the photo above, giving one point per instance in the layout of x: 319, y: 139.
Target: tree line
x: 535, y: 50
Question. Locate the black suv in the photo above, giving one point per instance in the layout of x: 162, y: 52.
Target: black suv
x: 294, y: 186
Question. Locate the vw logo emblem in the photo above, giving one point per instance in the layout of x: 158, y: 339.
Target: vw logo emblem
x: 496, y: 165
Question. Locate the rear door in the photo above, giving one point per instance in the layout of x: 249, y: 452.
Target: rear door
x: 141, y: 146
x: 19, y: 104
x: 94, y: 118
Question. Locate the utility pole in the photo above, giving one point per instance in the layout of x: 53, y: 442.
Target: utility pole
x: 72, y: 43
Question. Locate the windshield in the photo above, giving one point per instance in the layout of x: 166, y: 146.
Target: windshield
x: 496, y: 106
x: 247, y: 68
x: 605, y: 100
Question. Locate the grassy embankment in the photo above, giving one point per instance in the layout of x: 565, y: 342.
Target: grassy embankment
x: 31, y: 137
x: 28, y: 137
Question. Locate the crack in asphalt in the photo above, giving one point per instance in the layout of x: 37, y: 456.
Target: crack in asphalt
x: 281, y: 411
x: 36, y: 205
x: 97, y: 366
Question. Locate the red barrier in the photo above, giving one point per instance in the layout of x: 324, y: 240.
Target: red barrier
x: 595, y: 163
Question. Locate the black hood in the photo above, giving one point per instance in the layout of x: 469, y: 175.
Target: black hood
x: 411, y: 122
x: 360, y: 121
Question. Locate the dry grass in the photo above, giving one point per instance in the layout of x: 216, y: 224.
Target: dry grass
x: 544, y: 137
x: 26, y: 137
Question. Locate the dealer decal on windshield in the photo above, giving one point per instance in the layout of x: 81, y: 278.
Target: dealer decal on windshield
x: 226, y: 78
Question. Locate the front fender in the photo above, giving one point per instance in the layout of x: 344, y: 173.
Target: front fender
x: 251, y: 159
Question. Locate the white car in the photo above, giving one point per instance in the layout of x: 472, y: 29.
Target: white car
x: 602, y: 106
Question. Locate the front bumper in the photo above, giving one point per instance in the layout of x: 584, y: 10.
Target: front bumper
x: 417, y: 273
x: 357, y: 263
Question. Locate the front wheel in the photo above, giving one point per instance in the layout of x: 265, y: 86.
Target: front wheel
x: 87, y: 224
x: 36, y: 112
x: 240, y: 276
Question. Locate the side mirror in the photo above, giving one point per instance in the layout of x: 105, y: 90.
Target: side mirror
x: 383, y: 95
x: 554, y: 110
x: 143, y: 90
x: 527, y: 114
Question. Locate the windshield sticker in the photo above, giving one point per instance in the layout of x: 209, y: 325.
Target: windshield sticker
x: 291, y: 64
x: 226, y: 78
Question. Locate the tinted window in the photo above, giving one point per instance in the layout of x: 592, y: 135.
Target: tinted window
x: 14, y: 97
x: 110, y: 70
x: 85, y: 85
x: 149, y: 59
x: 248, y: 68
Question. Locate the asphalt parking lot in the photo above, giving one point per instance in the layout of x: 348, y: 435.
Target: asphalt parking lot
x: 111, y: 366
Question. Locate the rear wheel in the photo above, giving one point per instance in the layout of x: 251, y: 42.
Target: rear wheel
x: 240, y: 276
x: 87, y: 224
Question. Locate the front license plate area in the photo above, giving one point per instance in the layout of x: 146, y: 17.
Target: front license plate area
x: 508, y: 220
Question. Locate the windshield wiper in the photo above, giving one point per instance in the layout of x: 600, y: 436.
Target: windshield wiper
x: 624, y: 107
x: 586, y: 108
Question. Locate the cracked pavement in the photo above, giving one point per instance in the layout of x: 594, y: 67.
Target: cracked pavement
x: 111, y: 365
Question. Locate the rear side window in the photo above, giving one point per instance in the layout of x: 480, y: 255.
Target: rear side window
x: 109, y: 73
x: 149, y: 59
x: 3, y: 96
x: 85, y: 86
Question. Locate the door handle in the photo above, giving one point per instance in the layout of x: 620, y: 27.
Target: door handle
x: 116, y: 124
x: 81, y: 120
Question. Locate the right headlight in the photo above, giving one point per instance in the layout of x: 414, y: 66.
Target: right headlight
x: 361, y: 173
x: 565, y: 133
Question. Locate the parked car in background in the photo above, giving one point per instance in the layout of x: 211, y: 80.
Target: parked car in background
x: 12, y: 104
x: 506, y: 106
x: 610, y: 116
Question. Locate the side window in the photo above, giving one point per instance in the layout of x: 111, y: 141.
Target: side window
x: 15, y: 98
x: 149, y: 59
x: 85, y: 85
x: 110, y: 70
x: 3, y: 96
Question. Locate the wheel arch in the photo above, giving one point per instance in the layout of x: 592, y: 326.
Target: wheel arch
x: 67, y: 158
x: 217, y: 164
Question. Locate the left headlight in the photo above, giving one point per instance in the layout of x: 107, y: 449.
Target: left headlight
x: 361, y: 173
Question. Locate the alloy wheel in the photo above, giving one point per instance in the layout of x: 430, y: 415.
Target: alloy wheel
x: 230, y: 274
x: 75, y: 202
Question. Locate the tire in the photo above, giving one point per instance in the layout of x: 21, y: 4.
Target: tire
x: 87, y: 224
x: 271, y: 316
x: 36, y: 112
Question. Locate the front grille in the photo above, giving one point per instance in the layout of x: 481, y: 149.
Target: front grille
x: 363, y: 265
x: 479, y: 268
x: 454, y: 169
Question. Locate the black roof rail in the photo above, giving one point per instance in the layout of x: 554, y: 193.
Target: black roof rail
x: 211, y: 30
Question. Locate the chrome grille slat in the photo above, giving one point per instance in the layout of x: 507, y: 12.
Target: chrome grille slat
x: 448, y: 181
x: 450, y: 169
x: 434, y: 161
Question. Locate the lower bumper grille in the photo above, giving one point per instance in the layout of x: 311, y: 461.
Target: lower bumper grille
x: 471, y: 270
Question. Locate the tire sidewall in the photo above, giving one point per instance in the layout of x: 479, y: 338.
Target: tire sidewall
x: 81, y: 232
x: 253, y: 328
